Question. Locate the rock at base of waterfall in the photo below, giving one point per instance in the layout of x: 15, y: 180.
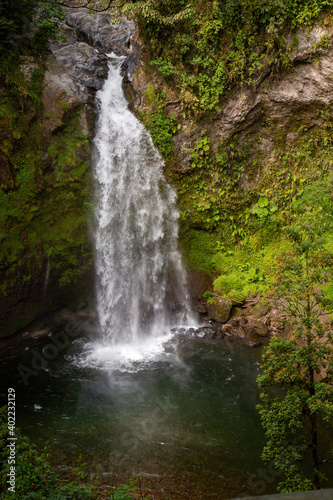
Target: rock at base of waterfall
x: 234, y: 331
x: 260, y: 310
x: 256, y: 326
x: 219, y: 309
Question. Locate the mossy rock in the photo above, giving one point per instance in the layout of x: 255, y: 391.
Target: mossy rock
x: 237, y: 312
x: 219, y: 309
x: 260, y: 310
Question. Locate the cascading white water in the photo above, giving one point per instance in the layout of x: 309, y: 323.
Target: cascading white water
x: 139, y: 270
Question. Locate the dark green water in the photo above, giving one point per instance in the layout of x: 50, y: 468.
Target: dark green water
x: 186, y: 419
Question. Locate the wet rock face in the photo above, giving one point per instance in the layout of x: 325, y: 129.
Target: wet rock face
x: 61, y: 93
x: 95, y: 30
x: 302, y: 90
x: 84, y: 64
x: 281, y: 95
x: 249, y: 330
x: 252, y: 324
x: 77, y: 68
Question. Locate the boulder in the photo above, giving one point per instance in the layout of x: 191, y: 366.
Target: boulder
x: 237, y: 312
x: 209, y: 332
x: 219, y: 309
x: 260, y: 310
x: 199, y: 307
x: 98, y: 31
x: 276, y: 321
x: 84, y: 64
x: 255, y: 326
x: 60, y: 94
x: 233, y: 331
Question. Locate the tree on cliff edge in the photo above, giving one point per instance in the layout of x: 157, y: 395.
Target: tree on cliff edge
x: 297, y: 374
x: 28, y: 23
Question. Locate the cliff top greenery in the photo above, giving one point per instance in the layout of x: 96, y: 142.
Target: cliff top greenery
x: 204, y: 48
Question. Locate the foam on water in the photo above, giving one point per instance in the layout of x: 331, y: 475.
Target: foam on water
x: 125, y: 357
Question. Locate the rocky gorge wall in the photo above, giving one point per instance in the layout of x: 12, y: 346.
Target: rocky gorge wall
x: 45, y: 161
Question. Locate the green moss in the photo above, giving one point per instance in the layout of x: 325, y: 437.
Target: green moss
x: 199, y: 248
x: 45, y: 212
x: 246, y: 269
x: 161, y: 125
x: 216, y: 206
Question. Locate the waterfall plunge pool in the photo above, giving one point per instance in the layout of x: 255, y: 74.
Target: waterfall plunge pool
x: 184, y: 418
x: 176, y: 409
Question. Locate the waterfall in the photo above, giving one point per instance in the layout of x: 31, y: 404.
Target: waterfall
x: 141, y: 288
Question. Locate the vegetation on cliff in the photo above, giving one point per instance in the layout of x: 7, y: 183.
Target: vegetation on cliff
x: 234, y: 197
x: 17, y: 34
x: 204, y: 51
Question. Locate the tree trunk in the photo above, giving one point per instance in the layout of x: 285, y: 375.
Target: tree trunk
x: 314, y: 435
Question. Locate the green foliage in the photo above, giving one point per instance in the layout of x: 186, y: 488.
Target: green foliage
x: 159, y: 13
x: 205, y: 50
x: 211, y: 195
x: 240, y: 283
x: 318, y: 194
x: 245, y: 270
x: 164, y: 67
x: 16, y: 21
x: 241, y: 198
x: 263, y: 208
x: 126, y: 492
x: 200, y: 157
x: 36, y: 85
x: 14, y: 18
x: 199, y: 248
x: 44, y: 210
x: 297, y: 374
x: 161, y: 129
x: 162, y: 126
x: 49, y: 14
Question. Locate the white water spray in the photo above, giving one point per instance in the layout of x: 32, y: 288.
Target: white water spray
x: 139, y: 272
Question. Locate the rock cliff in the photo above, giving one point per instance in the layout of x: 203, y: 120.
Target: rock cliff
x: 296, y: 93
